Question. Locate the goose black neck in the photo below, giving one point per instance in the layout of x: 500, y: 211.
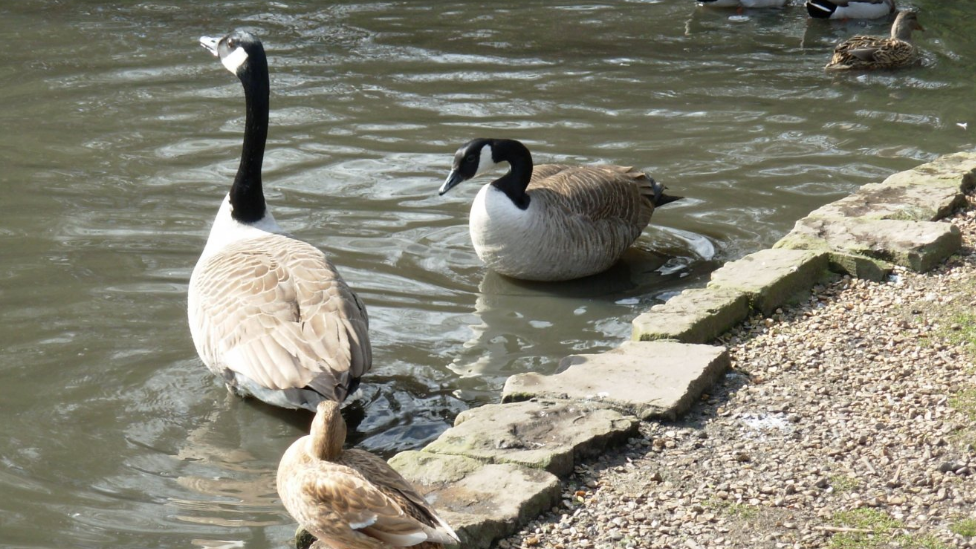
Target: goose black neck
x: 246, y: 195
x: 513, y: 183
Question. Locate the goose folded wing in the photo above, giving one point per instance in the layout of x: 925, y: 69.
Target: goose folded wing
x: 601, y: 192
x: 279, y: 325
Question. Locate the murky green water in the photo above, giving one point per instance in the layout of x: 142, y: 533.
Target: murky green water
x: 119, y: 136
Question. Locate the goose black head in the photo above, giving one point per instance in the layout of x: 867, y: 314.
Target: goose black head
x: 472, y: 158
x: 239, y: 51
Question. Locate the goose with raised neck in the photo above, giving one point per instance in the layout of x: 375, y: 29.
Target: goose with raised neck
x: 269, y: 314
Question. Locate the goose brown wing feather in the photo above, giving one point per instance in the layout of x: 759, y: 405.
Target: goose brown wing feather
x: 599, y: 192
x: 275, y: 310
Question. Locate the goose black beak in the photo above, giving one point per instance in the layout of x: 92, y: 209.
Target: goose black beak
x: 210, y: 43
x: 452, y: 180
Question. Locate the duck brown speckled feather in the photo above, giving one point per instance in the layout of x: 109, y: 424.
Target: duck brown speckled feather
x: 350, y: 499
x: 875, y: 52
x: 275, y: 310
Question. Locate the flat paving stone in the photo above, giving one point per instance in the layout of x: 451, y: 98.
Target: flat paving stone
x: 772, y: 277
x: 918, y: 245
x: 926, y: 193
x: 659, y: 379
x: 542, y: 434
x: 694, y: 316
x: 482, y: 502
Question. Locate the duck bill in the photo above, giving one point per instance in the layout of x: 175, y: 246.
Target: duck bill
x: 452, y: 180
x: 210, y: 43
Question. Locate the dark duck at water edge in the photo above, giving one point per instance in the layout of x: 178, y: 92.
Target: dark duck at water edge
x: 552, y: 221
x: 268, y: 313
x: 877, y: 52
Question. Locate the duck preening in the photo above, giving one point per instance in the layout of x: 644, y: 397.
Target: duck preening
x: 849, y: 9
x: 269, y: 314
x: 553, y: 221
x: 351, y: 499
x: 877, y: 52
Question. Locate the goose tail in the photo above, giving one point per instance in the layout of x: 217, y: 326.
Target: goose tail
x: 659, y: 198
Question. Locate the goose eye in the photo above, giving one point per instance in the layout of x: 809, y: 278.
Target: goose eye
x: 470, y: 158
x: 231, y: 43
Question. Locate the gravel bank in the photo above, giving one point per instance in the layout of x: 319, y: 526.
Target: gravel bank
x: 848, y: 421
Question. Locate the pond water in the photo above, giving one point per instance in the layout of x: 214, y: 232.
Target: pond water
x: 120, y: 136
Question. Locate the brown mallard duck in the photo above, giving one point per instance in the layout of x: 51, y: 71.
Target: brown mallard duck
x: 875, y: 52
x: 351, y: 499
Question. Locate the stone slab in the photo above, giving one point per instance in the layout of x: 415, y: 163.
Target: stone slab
x: 693, y: 316
x: 482, y: 502
x: 918, y: 245
x: 859, y: 266
x: 926, y: 193
x: 771, y: 278
x: 842, y: 262
x: 541, y: 434
x: 659, y: 379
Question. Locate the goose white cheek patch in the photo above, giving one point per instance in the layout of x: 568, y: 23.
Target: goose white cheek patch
x: 484, y: 160
x: 234, y: 60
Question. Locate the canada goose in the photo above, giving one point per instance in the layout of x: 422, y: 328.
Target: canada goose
x: 352, y: 499
x: 875, y: 52
x: 268, y: 313
x: 552, y: 222
x: 742, y: 3
x: 849, y: 9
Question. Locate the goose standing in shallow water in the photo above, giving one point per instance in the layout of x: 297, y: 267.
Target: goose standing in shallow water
x: 269, y: 314
x: 352, y: 499
x: 876, y: 52
x: 552, y: 222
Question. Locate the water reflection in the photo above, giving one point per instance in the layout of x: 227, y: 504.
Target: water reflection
x: 516, y: 317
